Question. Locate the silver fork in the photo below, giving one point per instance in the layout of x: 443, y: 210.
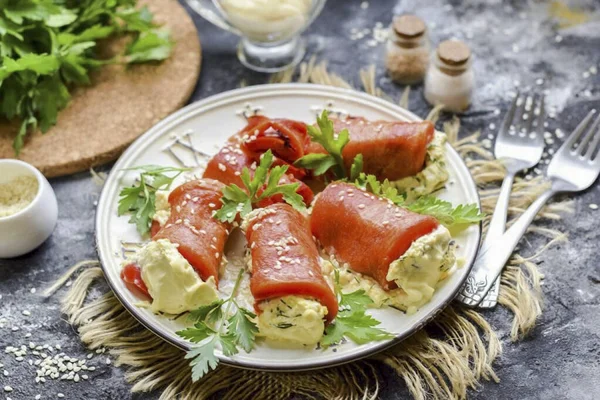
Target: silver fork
x: 520, y: 143
x: 574, y: 167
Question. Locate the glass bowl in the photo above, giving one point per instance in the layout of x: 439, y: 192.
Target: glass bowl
x: 269, y: 29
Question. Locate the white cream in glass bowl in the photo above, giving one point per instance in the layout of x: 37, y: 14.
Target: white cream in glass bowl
x: 267, y: 20
x: 269, y: 29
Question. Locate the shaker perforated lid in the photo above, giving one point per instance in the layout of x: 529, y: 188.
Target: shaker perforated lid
x: 453, y: 52
x: 408, y: 26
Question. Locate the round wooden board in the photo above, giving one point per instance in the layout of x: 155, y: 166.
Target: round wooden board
x: 121, y: 104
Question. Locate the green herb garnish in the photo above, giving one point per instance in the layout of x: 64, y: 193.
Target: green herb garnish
x: 140, y: 199
x: 264, y: 184
x: 215, y: 324
x: 442, y: 210
x: 48, y: 46
x: 334, y: 144
x: 352, y: 321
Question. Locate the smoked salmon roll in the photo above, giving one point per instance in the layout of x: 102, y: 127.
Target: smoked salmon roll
x: 292, y: 298
x: 374, y: 237
x: 286, y: 138
x: 226, y: 166
x: 391, y: 150
x: 199, y: 237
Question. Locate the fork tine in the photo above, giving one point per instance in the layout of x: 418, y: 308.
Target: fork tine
x: 574, y: 137
x: 587, y: 137
x: 595, y: 132
x: 540, y: 118
x: 531, y: 113
x: 509, y: 116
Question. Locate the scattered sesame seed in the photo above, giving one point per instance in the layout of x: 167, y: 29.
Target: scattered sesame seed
x: 8, y: 389
x: 32, y: 290
x: 364, y: 5
x: 60, y: 395
x: 361, y: 206
x: 593, y: 206
x: 558, y: 38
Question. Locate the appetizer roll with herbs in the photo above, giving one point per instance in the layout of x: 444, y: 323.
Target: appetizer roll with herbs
x: 395, y: 247
x: 408, y: 154
x: 238, y: 153
x: 179, y: 268
x: 292, y: 299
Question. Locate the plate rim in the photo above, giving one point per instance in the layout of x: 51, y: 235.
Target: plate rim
x: 354, y: 356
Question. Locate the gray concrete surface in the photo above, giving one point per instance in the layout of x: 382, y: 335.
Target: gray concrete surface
x: 515, y: 43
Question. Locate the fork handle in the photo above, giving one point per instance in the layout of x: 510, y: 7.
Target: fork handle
x: 498, y: 222
x: 490, y: 263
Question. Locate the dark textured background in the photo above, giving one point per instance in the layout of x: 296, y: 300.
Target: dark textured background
x: 514, y: 43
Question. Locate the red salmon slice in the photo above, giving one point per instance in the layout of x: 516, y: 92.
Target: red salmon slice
x: 131, y: 274
x: 200, y: 237
x: 226, y: 166
x: 364, y: 230
x: 287, y: 139
x: 285, y: 259
x: 391, y: 150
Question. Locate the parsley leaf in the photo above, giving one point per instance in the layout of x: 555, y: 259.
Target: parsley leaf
x: 352, y: 321
x: 217, y: 323
x: 442, y: 210
x: 46, y: 45
x: 264, y: 184
x: 153, y: 45
x: 203, y: 357
x: 332, y: 143
x: 139, y: 199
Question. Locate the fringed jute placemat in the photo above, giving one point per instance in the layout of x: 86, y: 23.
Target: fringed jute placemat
x: 449, y: 356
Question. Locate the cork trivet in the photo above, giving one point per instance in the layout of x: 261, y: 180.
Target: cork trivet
x: 121, y: 104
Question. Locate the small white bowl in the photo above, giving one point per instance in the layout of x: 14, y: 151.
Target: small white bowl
x: 27, y: 229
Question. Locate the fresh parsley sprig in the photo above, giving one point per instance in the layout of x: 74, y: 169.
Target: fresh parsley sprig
x: 445, y: 212
x: 352, y: 321
x: 334, y: 144
x: 264, y: 184
x: 140, y: 199
x: 222, y: 322
x: 47, y: 47
x: 442, y: 210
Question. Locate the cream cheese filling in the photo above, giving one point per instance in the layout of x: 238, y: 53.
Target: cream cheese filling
x: 292, y: 319
x: 162, y: 207
x: 417, y: 273
x: 172, y: 282
x: 432, y: 177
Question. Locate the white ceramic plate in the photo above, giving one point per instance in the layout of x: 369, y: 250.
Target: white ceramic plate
x: 209, y: 123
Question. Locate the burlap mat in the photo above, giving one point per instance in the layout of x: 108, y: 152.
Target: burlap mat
x: 449, y: 356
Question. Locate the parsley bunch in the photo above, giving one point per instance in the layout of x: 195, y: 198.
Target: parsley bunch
x: 334, y: 144
x: 140, y: 199
x: 264, y: 184
x: 442, y: 210
x: 48, y: 46
x: 217, y: 323
x: 352, y: 320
